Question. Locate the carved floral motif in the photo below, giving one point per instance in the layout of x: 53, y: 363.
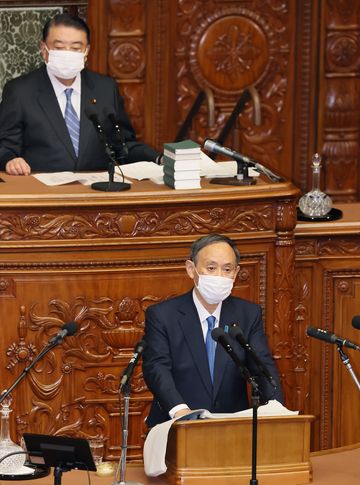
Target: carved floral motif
x: 234, y: 52
x: 339, y: 246
x: 126, y: 59
x: 94, y: 225
x: 343, y: 51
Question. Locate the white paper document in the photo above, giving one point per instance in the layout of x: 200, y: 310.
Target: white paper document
x: 85, y: 178
x: 141, y: 170
x: 156, y: 441
x: 210, y: 168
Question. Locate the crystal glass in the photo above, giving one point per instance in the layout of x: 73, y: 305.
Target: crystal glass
x: 315, y: 203
x: 12, y: 463
x: 97, y: 450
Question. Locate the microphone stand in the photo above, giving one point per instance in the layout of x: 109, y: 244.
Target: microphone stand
x: 44, y: 351
x: 346, y: 361
x: 255, y: 401
x: 109, y: 186
x: 126, y: 389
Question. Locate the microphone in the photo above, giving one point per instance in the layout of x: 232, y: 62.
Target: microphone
x: 139, y: 347
x: 215, y: 147
x: 68, y: 329
x: 110, y: 186
x: 223, y: 339
x: 236, y: 333
x: 356, y: 322
x: 331, y: 338
x: 93, y: 117
x: 108, y: 113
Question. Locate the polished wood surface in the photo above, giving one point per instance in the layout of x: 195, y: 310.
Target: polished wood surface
x: 218, y: 451
x: 70, y: 253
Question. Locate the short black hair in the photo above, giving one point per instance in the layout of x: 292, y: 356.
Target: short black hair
x: 212, y: 239
x: 67, y: 20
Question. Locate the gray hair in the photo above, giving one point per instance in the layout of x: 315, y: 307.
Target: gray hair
x: 212, y: 239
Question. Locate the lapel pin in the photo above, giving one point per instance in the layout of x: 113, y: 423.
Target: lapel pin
x: 93, y: 101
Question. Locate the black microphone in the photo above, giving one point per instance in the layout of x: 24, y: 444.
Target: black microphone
x: 223, y: 339
x: 236, y: 333
x: 139, y: 347
x: 93, y: 117
x: 67, y: 330
x: 356, y: 322
x: 110, y: 186
x: 331, y: 338
x: 109, y: 113
x: 215, y: 147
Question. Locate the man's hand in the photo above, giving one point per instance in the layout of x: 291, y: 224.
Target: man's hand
x: 17, y: 166
x: 182, y: 412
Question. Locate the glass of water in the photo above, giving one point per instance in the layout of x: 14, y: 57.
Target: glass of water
x: 97, y: 450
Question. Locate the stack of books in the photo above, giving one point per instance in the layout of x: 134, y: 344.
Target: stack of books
x: 182, y: 165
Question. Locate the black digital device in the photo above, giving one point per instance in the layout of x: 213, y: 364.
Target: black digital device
x: 59, y: 451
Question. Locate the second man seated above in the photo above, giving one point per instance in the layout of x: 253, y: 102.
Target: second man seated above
x: 44, y: 115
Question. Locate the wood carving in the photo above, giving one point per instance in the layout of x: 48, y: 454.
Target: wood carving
x: 305, y: 248
x: 341, y: 101
x: 339, y: 246
x: 94, y: 225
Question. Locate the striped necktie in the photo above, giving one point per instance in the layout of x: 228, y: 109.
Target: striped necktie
x: 210, y: 345
x: 72, y: 121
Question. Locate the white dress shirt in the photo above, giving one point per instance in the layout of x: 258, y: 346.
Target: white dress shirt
x: 59, y: 89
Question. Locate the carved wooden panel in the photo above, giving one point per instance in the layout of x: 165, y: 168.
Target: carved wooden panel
x: 23, y: 225
x: 340, y: 131
x: 327, y: 282
x: 74, y: 389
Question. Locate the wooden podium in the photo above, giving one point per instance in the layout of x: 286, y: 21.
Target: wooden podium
x: 218, y: 451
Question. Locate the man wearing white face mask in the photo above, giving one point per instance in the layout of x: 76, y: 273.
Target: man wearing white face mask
x: 182, y: 366
x: 44, y: 115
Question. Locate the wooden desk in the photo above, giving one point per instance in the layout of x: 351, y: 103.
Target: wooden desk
x: 70, y: 253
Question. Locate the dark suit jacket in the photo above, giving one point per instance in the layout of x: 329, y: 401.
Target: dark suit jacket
x: 33, y: 127
x: 175, y: 365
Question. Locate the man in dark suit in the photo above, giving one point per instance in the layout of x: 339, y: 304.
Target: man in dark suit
x: 181, y: 365
x: 35, y: 113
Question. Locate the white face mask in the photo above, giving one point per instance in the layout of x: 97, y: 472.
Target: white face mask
x: 214, y: 289
x: 65, y: 64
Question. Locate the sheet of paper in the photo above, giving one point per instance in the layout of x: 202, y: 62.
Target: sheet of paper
x: 210, y: 168
x: 141, y: 170
x: 85, y: 178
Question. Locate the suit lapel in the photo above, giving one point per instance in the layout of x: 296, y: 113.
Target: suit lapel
x: 52, y: 111
x: 191, y: 327
x: 222, y: 359
x: 88, y: 102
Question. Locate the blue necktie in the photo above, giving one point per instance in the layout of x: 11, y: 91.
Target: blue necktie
x: 210, y: 345
x: 72, y: 121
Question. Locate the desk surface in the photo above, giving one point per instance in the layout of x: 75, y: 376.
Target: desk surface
x: 17, y: 191
x: 333, y: 467
x: 348, y: 224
